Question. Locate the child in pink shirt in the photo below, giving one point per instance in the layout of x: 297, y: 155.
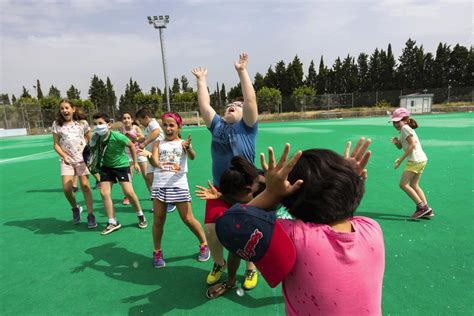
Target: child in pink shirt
x: 340, y: 261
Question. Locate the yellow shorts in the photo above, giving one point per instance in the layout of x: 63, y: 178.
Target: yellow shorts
x: 415, y: 167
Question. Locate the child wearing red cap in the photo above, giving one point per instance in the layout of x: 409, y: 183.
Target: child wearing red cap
x: 340, y: 260
x: 416, y: 158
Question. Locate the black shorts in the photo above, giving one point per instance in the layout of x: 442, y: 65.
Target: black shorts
x: 115, y: 174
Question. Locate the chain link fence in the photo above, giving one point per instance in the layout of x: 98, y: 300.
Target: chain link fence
x: 38, y: 120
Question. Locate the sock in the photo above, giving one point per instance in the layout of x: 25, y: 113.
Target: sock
x: 140, y: 213
x: 112, y: 221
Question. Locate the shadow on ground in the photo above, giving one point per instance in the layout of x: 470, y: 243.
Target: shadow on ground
x: 51, y: 225
x: 389, y: 217
x: 180, y: 287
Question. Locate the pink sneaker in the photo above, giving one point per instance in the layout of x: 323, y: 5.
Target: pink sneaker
x: 125, y: 201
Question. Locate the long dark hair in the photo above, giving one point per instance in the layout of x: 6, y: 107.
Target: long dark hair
x: 77, y: 116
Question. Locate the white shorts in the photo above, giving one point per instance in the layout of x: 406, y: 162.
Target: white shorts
x: 139, y: 158
x: 149, y: 168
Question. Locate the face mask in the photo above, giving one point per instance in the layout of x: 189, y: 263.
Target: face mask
x: 101, y: 129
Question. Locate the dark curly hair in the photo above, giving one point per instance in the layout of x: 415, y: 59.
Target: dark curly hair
x: 332, y: 189
x: 237, y: 180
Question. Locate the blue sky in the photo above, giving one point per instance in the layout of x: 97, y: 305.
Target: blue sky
x: 64, y: 42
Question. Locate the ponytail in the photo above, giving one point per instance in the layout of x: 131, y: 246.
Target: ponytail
x: 412, y: 123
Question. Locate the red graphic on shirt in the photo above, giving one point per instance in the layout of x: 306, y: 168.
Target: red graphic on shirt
x: 249, y: 250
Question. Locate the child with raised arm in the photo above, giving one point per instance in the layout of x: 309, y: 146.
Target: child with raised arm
x: 330, y: 261
x: 416, y: 161
x: 234, y: 134
x: 71, y: 132
x: 115, y: 167
x: 170, y: 185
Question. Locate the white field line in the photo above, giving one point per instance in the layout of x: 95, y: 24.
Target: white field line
x: 27, y: 157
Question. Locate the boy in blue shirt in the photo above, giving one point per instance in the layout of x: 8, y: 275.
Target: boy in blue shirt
x: 233, y: 134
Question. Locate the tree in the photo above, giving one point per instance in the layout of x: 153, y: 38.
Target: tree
x: 176, y: 87
x: 322, y: 77
x: 282, y: 83
x: 258, y: 81
x: 25, y: 94
x: 73, y: 93
x: 441, y: 66
x: 13, y: 99
x: 294, y: 74
x: 458, y: 65
x: 54, y: 92
x: 186, y: 101
x: 302, y: 97
x: 270, y: 80
x: 4, y: 99
x: 223, y: 94
x: 362, y: 72
x: 407, y: 69
x: 336, y: 82
x: 349, y: 75
x: 235, y: 92
x: 126, y: 103
x: 269, y: 99
x: 39, y: 92
x: 387, y: 69
x: 374, y: 72
x: 98, y: 94
x: 185, y: 84
x: 311, y: 79
x: 111, y: 97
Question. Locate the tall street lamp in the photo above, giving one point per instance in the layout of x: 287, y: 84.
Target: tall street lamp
x: 159, y: 22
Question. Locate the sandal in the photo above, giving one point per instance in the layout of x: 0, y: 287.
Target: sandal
x: 219, y: 289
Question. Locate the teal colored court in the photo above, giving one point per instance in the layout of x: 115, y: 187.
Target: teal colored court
x: 48, y: 266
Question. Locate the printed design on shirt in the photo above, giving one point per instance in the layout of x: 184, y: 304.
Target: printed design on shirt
x: 170, y: 159
x: 71, y: 140
x: 249, y: 250
x: 224, y: 134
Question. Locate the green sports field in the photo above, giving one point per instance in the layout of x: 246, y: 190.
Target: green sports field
x: 51, y: 267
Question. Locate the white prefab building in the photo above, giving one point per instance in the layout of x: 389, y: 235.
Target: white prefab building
x: 417, y: 102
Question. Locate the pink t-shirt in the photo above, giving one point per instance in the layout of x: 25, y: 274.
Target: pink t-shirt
x: 335, y: 273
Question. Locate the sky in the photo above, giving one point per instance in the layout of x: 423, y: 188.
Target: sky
x: 64, y: 42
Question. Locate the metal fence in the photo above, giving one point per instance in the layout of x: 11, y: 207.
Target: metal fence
x: 38, y: 120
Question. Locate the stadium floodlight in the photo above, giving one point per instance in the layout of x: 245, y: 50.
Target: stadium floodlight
x: 160, y: 24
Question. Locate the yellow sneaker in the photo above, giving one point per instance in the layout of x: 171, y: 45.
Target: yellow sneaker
x: 250, y: 281
x: 216, y: 273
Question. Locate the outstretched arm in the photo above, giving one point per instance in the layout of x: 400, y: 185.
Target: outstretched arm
x: 250, y: 110
x: 204, y: 100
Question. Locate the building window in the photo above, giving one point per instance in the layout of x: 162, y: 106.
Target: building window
x: 412, y: 103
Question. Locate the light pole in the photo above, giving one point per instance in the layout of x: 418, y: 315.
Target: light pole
x: 159, y: 22
x: 449, y: 90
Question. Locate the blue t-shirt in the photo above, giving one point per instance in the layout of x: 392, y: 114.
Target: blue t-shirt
x: 229, y: 140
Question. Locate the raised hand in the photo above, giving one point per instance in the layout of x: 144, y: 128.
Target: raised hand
x: 186, y: 143
x: 276, y: 174
x: 242, y: 63
x: 210, y: 193
x: 199, y: 72
x: 360, y: 156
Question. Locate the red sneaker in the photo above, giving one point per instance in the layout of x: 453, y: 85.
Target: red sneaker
x: 420, y: 212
